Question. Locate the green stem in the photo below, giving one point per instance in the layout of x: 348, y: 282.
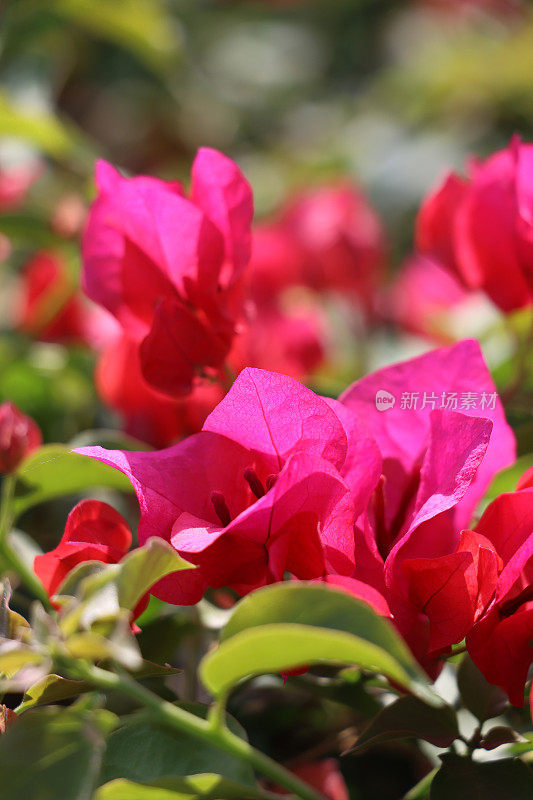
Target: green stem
x: 8, y: 554
x: 177, y: 718
x: 217, y: 712
x: 457, y: 650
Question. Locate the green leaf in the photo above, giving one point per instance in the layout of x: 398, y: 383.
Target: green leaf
x: 102, y: 590
x: 479, y: 696
x: 54, y: 471
x: 145, y: 751
x: 289, y: 625
x: 506, y: 480
x: 461, y: 777
x: 141, y: 26
x: 207, y: 786
x: 39, y: 128
x: 422, y: 788
x: 143, y: 567
x: 14, y: 656
x: 524, y: 746
x: 51, y: 754
x: 409, y: 716
x: 119, y: 646
x: 53, y: 688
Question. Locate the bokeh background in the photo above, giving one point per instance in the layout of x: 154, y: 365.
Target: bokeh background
x: 383, y: 95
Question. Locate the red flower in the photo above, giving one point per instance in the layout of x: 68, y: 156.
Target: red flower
x: 328, y: 239
x: 51, y: 308
x: 342, y: 241
x: 500, y: 642
x: 94, y: 532
x: 481, y: 227
x: 429, y: 467
x: 149, y: 415
x: 19, y: 436
x: 323, y: 775
x: 14, y: 185
x: 168, y: 267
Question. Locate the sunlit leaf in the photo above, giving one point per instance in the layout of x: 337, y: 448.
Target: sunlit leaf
x: 289, y: 625
x: 207, y: 786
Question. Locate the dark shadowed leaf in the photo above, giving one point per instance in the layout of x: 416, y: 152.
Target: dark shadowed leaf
x: 479, y: 696
x: 53, y: 754
x: 500, y: 734
x: 145, y: 751
x: 409, y: 716
x: 422, y: 788
x: 460, y: 777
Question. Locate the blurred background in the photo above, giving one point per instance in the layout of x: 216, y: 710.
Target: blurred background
x: 348, y: 110
x: 386, y: 95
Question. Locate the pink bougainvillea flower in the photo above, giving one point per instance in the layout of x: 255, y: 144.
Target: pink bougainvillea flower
x: 94, y: 532
x: 455, y: 8
x: 481, y: 227
x: 168, y: 267
x: 500, y: 642
x: 19, y: 436
x: 14, y: 185
x: 255, y: 494
x: 289, y: 337
x: 277, y: 262
x: 440, y: 444
x: 328, y: 239
x: 147, y: 414
x: 425, y: 297
x: 51, y: 308
x: 342, y: 239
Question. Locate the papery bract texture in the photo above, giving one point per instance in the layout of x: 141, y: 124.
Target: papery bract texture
x: 256, y: 494
x: 435, y: 465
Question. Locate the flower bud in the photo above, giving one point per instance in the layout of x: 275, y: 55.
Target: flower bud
x: 19, y: 435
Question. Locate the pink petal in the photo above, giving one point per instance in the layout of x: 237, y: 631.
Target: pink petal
x: 402, y: 434
x: 274, y: 415
x: 168, y: 482
x: 220, y: 189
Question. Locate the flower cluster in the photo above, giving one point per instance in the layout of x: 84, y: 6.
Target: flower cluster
x: 376, y: 498
x: 377, y: 502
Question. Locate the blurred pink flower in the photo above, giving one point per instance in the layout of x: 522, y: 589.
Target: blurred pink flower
x: 481, y: 227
